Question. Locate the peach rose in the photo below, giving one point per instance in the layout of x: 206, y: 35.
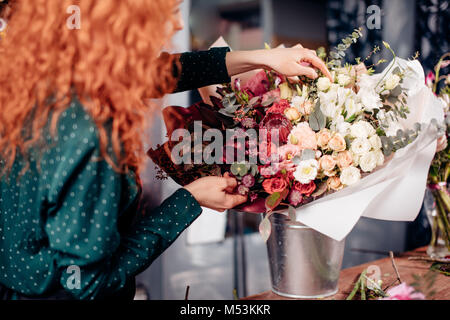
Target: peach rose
x: 323, y: 137
x: 303, y: 136
x: 292, y: 114
x: 334, y: 183
x: 337, y: 143
x: 327, y: 163
x: 344, y: 159
x: 306, y: 107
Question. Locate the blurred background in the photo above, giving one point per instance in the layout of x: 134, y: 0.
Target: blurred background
x: 222, y: 252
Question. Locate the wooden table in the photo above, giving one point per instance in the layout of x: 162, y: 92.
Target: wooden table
x: 406, y: 268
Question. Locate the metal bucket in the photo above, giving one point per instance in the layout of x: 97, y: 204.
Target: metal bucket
x: 303, y: 262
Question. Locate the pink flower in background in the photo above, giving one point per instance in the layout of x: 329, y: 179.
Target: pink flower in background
x: 295, y: 197
x: 273, y: 93
x: 430, y: 79
x: 404, y: 292
x: 258, y: 85
x: 288, y: 151
x: 303, y: 136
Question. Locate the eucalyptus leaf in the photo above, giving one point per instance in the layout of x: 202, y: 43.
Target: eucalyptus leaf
x: 317, y: 120
x: 268, y: 102
x: 396, y: 91
x: 308, y: 154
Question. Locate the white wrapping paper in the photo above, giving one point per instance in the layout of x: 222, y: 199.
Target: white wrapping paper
x: 395, y: 191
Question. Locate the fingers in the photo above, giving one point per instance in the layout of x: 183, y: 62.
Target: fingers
x: 307, y: 71
x: 229, y: 183
x: 233, y: 200
x: 317, y: 62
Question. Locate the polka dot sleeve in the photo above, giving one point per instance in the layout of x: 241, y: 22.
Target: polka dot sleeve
x: 86, y: 198
x: 203, y: 68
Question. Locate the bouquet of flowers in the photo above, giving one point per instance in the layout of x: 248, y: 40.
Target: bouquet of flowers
x: 295, y: 144
x: 440, y: 167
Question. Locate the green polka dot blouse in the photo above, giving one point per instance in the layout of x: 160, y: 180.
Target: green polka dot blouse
x: 64, y: 214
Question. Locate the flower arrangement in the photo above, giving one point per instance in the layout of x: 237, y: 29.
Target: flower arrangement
x: 439, y: 173
x: 294, y: 142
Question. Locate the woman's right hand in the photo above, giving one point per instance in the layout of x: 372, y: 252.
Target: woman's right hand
x: 216, y: 193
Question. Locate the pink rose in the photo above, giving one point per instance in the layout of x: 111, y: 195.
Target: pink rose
x: 288, y: 151
x: 337, y: 143
x: 323, y: 137
x: 344, y: 159
x: 334, y: 183
x: 272, y: 185
x: 303, y: 136
x: 327, y: 163
x: 404, y: 292
x: 306, y: 107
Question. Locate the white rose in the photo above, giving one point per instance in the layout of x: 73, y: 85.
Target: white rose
x: 350, y: 175
x: 339, y: 125
x: 323, y: 83
x: 391, y: 82
x: 368, y: 161
x: 359, y: 130
x: 375, y: 142
x: 369, y: 99
x: 380, y: 157
x: 370, y: 130
x: 306, y: 171
x: 360, y: 146
x: 297, y: 102
x: 343, y: 80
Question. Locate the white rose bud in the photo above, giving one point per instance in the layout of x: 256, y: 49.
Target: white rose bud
x: 343, y: 80
x: 368, y: 162
x: 392, y: 81
x: 323, y: 83
x: 375, y: 142
x: 350, y: 175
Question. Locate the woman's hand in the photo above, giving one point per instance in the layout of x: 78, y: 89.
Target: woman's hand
x: 290, y: 62
x: 216, y: 192
x: 296, y: 61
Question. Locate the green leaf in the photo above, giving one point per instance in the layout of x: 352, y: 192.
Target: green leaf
x: 396, y: 91
x: 308, y: 154
x: 268, y: 102
x: 265, y: 228
x: 351, y: 119
x: 317, y: 120
x: 273, y: 201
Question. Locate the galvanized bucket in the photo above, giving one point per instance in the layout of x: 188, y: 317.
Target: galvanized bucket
x: 303, y: 262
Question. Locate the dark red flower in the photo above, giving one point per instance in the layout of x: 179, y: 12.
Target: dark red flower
x: 306, y: 189
x: 273, y: 122
x: 279, y: 107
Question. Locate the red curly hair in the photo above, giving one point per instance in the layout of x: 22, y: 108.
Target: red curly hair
x: 112, y: 63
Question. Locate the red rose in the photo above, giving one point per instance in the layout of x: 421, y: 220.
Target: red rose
x: 276, y: 184
x: 279, y: 107
x: 306, y: 189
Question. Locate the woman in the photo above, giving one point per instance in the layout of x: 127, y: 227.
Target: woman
x: 72, y: 114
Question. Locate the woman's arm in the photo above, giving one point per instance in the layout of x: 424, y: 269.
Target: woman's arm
x: 289, y: 62
x: 218, y: 65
